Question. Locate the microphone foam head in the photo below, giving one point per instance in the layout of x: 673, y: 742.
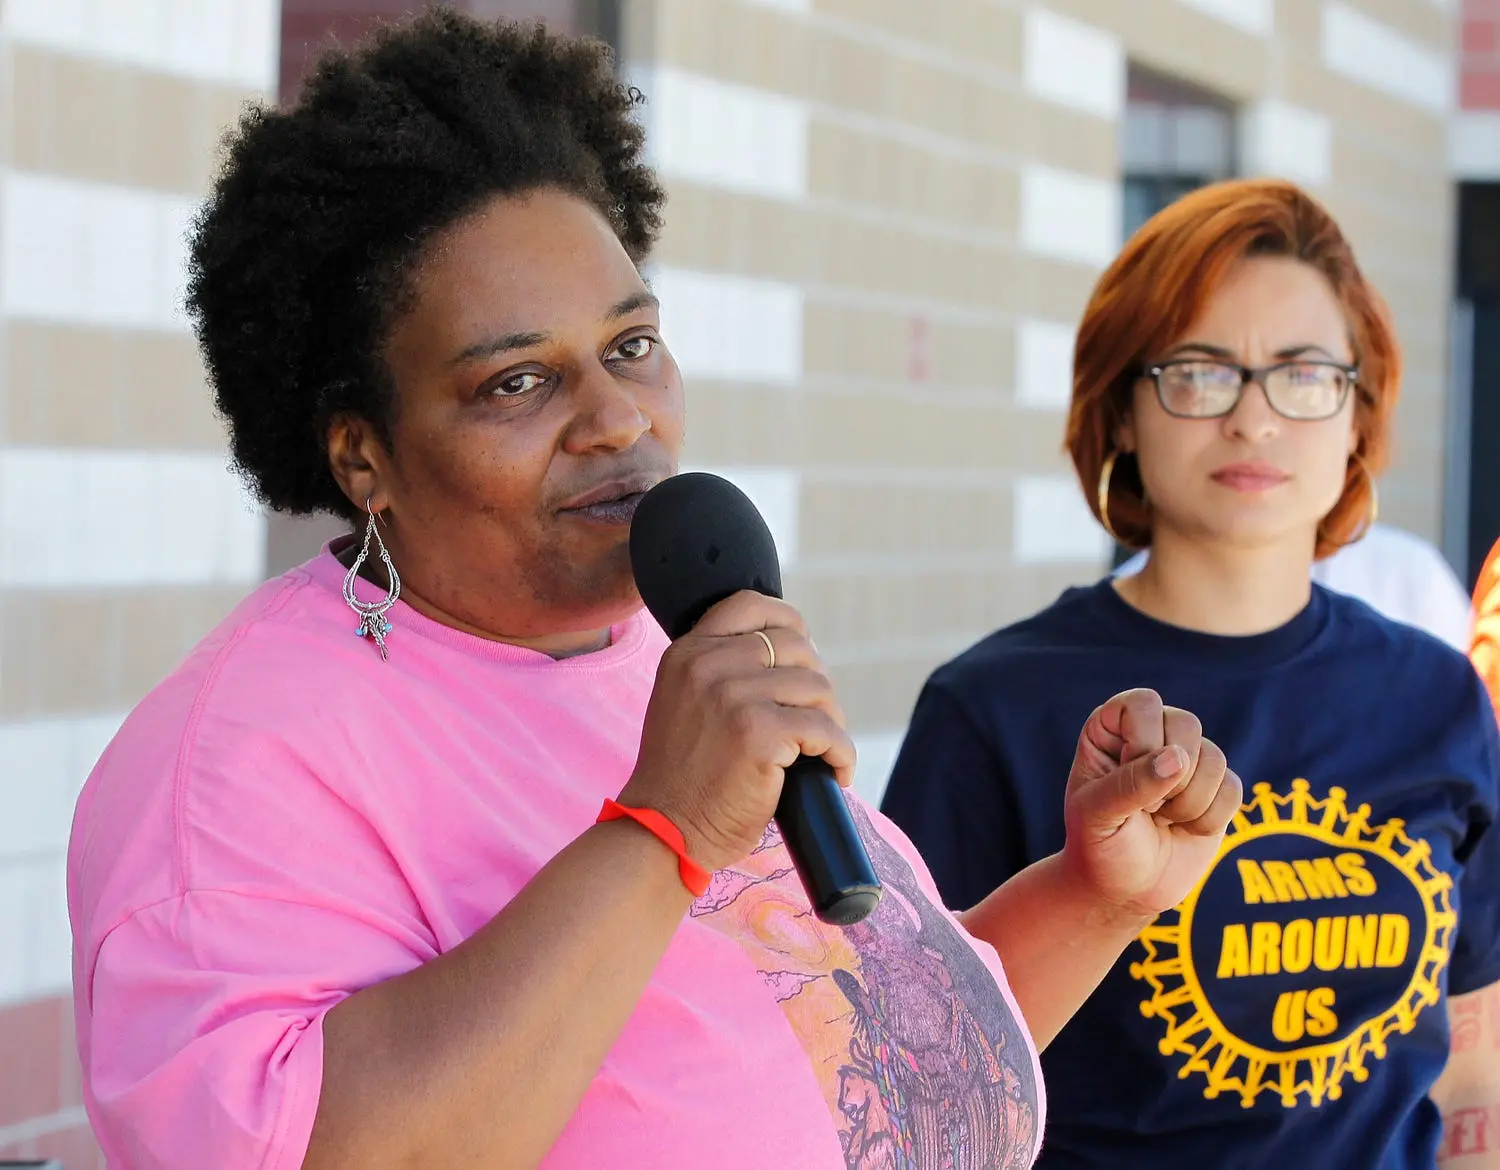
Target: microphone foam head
x: 696, y: 539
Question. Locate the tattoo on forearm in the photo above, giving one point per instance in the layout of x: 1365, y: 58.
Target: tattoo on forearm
x: 1473, y: 1130
x: 1470, y: 1131
x: 1476, y: 1022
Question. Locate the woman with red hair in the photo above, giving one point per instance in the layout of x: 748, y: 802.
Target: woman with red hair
x: 1235, y: 377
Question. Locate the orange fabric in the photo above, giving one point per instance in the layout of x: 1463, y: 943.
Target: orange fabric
x: 1485, y: 651
x: 693, y: 875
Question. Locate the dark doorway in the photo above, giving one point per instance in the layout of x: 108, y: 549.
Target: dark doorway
x: 1479, y: 317
x: 307, y: 26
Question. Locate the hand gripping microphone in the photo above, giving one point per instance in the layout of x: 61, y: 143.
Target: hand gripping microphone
x: 695, y: 540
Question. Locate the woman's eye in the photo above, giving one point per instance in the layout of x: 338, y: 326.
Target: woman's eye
x: 516, y: 385
x: 635, y: 348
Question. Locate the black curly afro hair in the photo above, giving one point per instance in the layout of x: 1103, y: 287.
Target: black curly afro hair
x: 300, y: 258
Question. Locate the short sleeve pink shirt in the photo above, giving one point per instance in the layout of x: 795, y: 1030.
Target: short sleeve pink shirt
x: 287, y: 819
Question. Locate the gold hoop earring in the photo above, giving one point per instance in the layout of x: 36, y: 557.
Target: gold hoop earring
x: 1107, y: 473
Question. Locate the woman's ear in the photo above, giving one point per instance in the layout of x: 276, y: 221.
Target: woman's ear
x: 357, y: 459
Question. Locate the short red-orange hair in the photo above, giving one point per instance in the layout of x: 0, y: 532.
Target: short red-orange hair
x: 1157, y: 287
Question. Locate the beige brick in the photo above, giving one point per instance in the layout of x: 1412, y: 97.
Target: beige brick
x: 944, y: 188
x: 814, y: 246
x: 899, y: 520
x: 110, y: 123
x: 77, y: 116
x: 842, y: 342
x: 879, y: 691
x: 166, y: 400
x: 61, y: 654
x: 63, y: 385
x: 1415, y: 188
x: 972, y: 33
x: 730, y: 424
x: 952, y: 99
x: 88, y: 650
x: 77, y: 386
x: 171, y: 138
x: 220, y: 109
x: 1172, y: 38
x: 1387, y: 123
x: 882, y: 694
x: 1430, y: 24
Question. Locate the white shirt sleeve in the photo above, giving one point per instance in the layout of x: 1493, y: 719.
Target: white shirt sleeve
x: 1404, y: 578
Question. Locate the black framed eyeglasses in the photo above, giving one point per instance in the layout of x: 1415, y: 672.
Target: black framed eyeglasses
x: 1305, y: 391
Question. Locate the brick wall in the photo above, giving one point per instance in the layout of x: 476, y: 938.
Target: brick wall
x: 123, y: 537
x: 1475, y: 146
x: 1479, y: 88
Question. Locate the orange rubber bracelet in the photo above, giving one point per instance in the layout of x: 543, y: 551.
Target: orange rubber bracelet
x: 693, y: 875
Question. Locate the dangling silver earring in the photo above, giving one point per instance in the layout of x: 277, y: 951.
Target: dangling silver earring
x: 372, y: 619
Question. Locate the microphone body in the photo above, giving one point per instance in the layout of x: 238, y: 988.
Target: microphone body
x: 695, y: 540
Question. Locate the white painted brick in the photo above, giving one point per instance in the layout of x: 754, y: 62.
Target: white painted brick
x: 1044, y: 364
x: 49, y: 965
x: 257, y: 44
x: 1287, y: 142
x: 131, y: 31
x: 35, y: 758
x: 1376, y: 55
x: 43, y: 251
x: 1073, y: 64
x: 49, y: 22
x: 37, y: 489
x: 35, y: 947
x: 114, y: 505
x: 722, y: 135
x: 91, y: 253
x: 722, y: 326
x: 43, y: 765
x: 15, y: 931
x: 1474, y: 145
x: 173, y: 226
x: 192, y: 489
x: 1069, y: 216
x: 234, y: 42
x: 877, y: 756
x: 776, y: 493
x: 84, y: 517
x: 197, y: 36
x: 1053, y: 525
x: 121, y: 258
x: 1252, y: 16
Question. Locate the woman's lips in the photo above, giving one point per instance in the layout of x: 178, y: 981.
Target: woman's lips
x: 609, y: 512
x: 1250, y: 477
x: 613, y: 502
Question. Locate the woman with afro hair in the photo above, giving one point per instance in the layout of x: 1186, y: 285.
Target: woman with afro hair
x: 434, y: 853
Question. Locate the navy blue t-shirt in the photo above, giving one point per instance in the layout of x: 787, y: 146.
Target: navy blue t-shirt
x: 1291, y: 1012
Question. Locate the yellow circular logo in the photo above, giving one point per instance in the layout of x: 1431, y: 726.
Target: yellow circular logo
x: 1313, y: 937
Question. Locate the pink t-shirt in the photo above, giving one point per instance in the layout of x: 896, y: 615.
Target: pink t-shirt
x: 287, y: 819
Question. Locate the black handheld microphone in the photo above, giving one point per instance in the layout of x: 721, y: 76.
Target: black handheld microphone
x: 695, y: 540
